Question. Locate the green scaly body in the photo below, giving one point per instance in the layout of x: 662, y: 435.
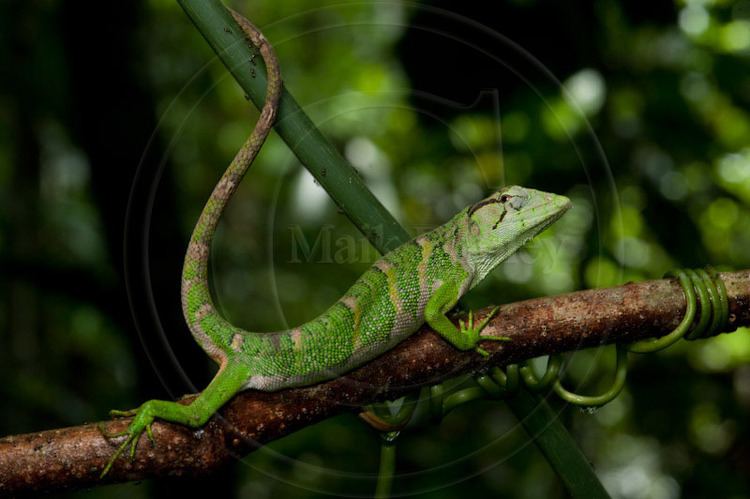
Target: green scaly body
x: 384, y: 306
x: 418, y: 282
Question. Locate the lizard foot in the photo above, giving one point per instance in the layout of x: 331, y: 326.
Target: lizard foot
x: 144, y: 418
x: 473, y: 331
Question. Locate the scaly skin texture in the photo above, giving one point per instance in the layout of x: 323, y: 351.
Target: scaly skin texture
x: 419, y: 281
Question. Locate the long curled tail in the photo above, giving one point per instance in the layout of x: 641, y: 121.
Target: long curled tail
x: 197, y: 305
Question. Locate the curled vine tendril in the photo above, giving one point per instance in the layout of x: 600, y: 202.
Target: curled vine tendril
x: 703, y: 290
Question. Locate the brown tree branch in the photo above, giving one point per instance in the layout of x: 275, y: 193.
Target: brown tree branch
x: 74, y: 457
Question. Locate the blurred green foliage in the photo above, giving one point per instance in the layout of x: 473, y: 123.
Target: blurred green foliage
x: 642, y: 119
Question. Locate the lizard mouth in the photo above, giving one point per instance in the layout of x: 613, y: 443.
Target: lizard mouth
x: 542, y: 215
x: 553, y: 211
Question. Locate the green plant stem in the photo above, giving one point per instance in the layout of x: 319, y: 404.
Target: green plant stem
x: 387, y: 466
x: 561, y: 451
x: 317, y: 154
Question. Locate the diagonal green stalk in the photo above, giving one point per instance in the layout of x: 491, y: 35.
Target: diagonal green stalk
x: 557, y: 445
x: 317, y: 154
x: 348, y: 191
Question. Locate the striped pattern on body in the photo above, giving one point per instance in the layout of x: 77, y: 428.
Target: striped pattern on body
x: 383, y: 307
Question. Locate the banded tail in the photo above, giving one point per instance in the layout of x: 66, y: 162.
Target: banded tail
x: 197, y: 304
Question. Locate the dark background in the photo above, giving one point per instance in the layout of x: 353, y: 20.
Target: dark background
x: 116, y: 121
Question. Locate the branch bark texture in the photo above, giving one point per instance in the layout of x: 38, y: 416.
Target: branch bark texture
x: 73, y: 457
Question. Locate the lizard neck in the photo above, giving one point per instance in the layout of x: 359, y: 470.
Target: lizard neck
x: 453, y: 237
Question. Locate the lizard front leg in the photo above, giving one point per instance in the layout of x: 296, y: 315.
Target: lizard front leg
x: 228, y: 381
x: 467, y: 336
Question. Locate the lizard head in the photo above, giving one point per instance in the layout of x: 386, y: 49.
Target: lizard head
x: 500, y: 224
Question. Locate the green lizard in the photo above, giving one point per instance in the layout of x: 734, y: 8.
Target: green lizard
x: 418, y: 282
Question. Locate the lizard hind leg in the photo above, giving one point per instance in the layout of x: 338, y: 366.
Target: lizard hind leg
x: 230, y: 379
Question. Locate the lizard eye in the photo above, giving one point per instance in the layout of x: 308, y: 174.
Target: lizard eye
x: 504, y: 198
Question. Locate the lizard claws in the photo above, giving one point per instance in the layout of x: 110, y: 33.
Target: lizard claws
x: 473, y: 331
x: 141, y: 423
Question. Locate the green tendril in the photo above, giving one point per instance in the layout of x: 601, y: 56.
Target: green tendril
x: 656, y: 344
x: 508, y: 380
x: 461, y: 397
x: 437, y: 394
x: 621, y: 371
x: 550, y: 374
x: 703, y: 298
x: 723, y: 301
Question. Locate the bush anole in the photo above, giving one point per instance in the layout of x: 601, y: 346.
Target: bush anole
x: 418, y: 282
